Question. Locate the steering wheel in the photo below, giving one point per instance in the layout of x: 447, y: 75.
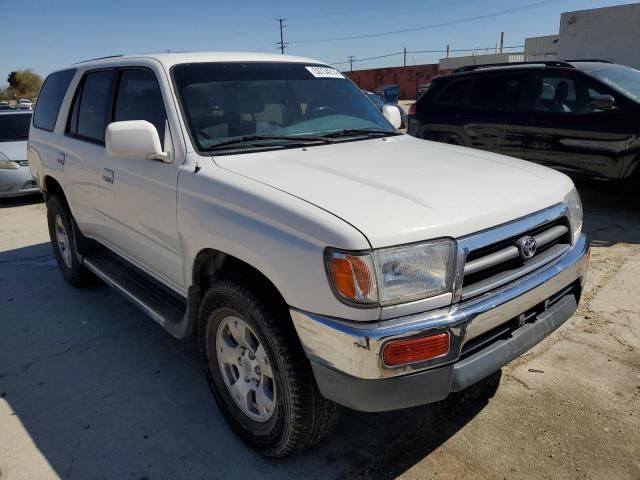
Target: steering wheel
x: 321, y: 111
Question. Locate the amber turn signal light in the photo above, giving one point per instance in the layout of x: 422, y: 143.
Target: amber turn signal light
x: 413, y: 350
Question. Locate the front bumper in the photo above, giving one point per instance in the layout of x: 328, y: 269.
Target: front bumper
x: 18, y: 182
x: 346, y: 356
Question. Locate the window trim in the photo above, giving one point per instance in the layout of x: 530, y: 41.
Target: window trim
x: 77, y: 96
x: 66, y: 91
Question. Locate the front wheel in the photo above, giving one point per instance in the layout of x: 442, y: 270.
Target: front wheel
x: 259, y: 374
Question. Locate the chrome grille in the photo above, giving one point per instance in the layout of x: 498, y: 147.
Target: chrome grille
x: 494, y: 258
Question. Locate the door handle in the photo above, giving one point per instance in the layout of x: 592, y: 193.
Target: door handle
x: 60, y: 158
x: 107, y: 175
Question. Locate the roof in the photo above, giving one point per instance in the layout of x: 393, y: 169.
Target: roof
x: 169, y: 59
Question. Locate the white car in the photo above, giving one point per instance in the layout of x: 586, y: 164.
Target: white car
x: 24, y: 104
x: 15, y: 176
x: 262, y: 203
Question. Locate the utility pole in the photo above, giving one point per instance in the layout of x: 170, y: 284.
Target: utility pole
x: 281, y: 42
x: 350, y: 62
x: 501, y: 41
x: 447, y: 50
x: 404, y: 63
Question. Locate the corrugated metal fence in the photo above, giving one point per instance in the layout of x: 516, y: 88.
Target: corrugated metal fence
x: 407, y: 78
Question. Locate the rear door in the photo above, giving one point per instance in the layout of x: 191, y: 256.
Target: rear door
x: 565, y: 132
x: 482, y: 110
x: 495, y: 116
x: 81, y: 149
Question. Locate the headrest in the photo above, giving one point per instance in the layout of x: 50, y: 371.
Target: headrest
x: 244, y: 99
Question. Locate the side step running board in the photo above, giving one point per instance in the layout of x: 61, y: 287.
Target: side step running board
x: 162, y: 304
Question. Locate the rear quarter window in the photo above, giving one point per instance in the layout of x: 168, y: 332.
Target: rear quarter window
x: 50, y: 98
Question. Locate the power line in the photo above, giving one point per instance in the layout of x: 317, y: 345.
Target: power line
x: 353, y: 60
x: 282, y: 44
x: 435, y: 25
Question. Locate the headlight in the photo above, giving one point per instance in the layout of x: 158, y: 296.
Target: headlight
x: 8, y: 165
x: 393, y: 275
x: 575, y: 213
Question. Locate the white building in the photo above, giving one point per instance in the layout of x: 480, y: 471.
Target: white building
x: 611, y: 33
x: 452, y: 63
x: 541, y: 48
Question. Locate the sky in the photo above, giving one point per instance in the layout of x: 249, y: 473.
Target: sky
x: 54, y: 34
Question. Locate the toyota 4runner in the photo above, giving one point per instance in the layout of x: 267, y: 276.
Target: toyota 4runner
x: 264, y: 204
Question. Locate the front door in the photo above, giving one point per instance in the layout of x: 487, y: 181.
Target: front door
x: 565, y: 132
x: 140, y: 198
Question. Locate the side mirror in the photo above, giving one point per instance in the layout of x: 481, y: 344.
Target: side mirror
x: 392, y: 114
x: 603, y: 102
x: 135, y: 140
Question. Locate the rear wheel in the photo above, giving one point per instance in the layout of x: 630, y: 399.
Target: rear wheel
x: 258, y: 372
x: 61, y: 232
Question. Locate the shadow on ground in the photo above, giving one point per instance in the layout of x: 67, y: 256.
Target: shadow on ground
x: 104, y: 392
x: 610, y: 216
x: 19, y: 201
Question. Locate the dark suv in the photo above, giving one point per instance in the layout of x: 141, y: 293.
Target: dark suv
x: 581, y: 117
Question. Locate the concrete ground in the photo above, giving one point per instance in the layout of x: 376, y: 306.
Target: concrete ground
x: 90, y: 388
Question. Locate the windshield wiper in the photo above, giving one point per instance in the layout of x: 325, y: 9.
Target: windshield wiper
x: 353, y: 132
x: 287, y: 138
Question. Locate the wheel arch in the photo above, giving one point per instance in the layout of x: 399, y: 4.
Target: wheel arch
x: 51, y: 187
x: 211, y: 265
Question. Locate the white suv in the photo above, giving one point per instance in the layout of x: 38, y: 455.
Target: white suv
x: 263, y: 203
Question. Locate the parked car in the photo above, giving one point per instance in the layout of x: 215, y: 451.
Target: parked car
x: 423, y: 88
x: 15, y: 177
x: 263, y: 204
x: 24, y: 104
x: 380, y: 103
x: 580, y: 117
x: 389, y: 93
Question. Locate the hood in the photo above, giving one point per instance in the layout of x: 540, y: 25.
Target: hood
x: 13, y: 150
x: 401, y: 189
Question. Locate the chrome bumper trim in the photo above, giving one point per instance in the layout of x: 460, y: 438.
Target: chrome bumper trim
x: 355, y: 348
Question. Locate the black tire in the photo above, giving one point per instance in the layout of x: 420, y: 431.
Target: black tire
x: 72, y: 270
x: 301, y: 416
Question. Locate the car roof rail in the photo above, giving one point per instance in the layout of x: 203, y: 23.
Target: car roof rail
x: 595, y: 60
x: 546, y: 63
x: 98, y: 58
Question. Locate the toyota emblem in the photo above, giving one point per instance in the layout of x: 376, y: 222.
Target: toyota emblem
x: 527, y: 247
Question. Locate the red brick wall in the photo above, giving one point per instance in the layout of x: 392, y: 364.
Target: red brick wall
x: 407, y: 78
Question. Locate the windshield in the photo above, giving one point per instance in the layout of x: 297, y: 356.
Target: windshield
x: 14, y: 127
x: 623, y: 79
x: 227, y: 101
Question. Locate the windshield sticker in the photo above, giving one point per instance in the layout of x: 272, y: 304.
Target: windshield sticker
x: 324, y: 72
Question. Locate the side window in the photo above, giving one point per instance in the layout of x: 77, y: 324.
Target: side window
x: 556, y: 94
x: 50, y: 98
x: 88, y: 119
x: 455, y: 93
x: 501, y: 92
x: 138, y: 97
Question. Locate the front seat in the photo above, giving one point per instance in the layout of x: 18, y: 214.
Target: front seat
x: 560, y: 97
x: 240, y: 103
